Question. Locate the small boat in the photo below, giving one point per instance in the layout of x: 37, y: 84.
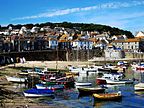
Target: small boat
x: 108, y: 96
x: 113, y: 79
x: 15, y: 79
x: 67, y: 84
x: 100, y: 81
x: 89, y: 91
x: 124, y: 81
x: 138, y: 67
x: 139, y: 87
x: 51, y: 87
x: 38, y: 92
x: 83, y: 83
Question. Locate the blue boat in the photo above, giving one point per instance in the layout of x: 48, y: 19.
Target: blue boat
x: 38, y: 92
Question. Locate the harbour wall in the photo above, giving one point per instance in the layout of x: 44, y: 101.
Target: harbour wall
x: 53, y: 55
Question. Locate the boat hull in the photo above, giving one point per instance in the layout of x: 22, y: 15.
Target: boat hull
x: 110, y: 81
x: 82, y: 84
x: 38, y: 92
x: 37, y: 95
x: 15, y: 79
x: 90, y: 91
x: 107, y: 97
x: 139, y: 87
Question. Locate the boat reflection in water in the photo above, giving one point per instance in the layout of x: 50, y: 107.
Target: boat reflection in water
x: 101, y: 104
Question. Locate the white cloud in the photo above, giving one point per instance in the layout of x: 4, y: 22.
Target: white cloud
x: 112, y: 5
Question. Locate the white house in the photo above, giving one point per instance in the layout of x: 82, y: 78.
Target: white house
x: 53, y: 43
x: 113, y: 53
x: 119, y: 37
x: 139, y: 34
x: 82, y: 44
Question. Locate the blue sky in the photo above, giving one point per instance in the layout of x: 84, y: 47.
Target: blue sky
x: 124, y: 14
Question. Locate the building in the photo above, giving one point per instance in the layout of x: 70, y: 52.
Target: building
x: 130, y: 45
x: 111, y: 52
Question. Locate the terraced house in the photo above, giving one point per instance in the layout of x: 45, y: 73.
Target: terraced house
x: 131, y: 45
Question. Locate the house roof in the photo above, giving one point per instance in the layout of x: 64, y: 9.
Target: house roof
x: 93, y: 39
x: 140, y: 34
x: 63, y: 37
x: 128, y: 40
x: 101, y: 42
x: 83, y: 40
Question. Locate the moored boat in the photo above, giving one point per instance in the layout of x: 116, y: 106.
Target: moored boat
x: 108, y: 96
x: 38, y: 92
x: 114, y: 79
x: 110, y: 81
x: 83, y: 83
x: 89, y: 91
x: 139, y: 87
x: 51, y: 87
x: 15, y: 79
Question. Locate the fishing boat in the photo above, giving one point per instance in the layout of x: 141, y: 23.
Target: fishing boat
x: 110, y: 81
x: 139, y: 87
x: 51, y: 87
x: 114, y: 79
x: 83, y: 84
x: 108, y: 96
x: 89, y: 91
x: 38, y: 92
x: 15, y: 79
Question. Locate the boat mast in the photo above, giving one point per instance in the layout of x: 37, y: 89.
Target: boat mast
x: 57, y: 58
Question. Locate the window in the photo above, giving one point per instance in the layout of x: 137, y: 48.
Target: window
x: 131, y: 47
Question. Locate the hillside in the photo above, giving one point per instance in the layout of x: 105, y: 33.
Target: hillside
x: 77, y: 27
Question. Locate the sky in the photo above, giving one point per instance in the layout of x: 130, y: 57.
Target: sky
x: 123, y: 14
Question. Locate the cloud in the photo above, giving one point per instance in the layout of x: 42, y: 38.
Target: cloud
x: 112, y: 5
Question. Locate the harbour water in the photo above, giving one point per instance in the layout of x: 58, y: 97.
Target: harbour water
x: 69, y: 98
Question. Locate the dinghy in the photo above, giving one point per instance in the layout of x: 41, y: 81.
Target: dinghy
x: 15, y: 79
x: 91, y: 90
x: 51, y: 87
x: 38, y: 92
x: 108, y: 96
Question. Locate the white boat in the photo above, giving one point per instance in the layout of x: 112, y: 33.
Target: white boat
x: 15, y: 79
x: 74, y: 69
x: 36, y: 95
x: 83, y: 69
x: 89, y: 69
x: 51, y: 87
x: 139, y: 87
x: 83, y: 83
x: 109, y: 81
x: 115, y: 79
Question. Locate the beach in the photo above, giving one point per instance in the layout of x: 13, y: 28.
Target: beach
x: 51, y: 64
